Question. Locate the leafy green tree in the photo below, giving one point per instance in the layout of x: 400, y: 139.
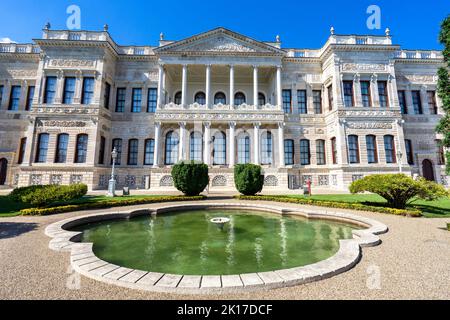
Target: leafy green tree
x: 444, y: 87
x: 190, y: 178
x: 248, y: 179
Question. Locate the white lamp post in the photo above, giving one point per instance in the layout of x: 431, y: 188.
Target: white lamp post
x: 400, y: 161
x: 112, y: 181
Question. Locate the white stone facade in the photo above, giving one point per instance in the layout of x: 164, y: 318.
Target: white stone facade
x: 330, y: 115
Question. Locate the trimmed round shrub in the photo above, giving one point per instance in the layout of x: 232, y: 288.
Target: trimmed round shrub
x: 248, y: 179
x: 17, y: 194
x: 190, y: 178
x: 41, y: 196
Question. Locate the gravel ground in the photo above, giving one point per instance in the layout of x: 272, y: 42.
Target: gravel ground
x: 413, y: 263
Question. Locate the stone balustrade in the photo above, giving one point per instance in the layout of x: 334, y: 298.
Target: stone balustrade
x: 418, y: 54
x: 219, y: 107
x: 19, y: 48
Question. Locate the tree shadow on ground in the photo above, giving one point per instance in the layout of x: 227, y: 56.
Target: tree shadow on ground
x: 10, y: 230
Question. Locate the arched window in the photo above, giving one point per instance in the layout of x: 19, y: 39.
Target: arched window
x: 409, y: 152
x: 220, y: 98
x: 220, y: 149
x: 171, y: 148
x: 266, y: 148
x: 149, y: 152
x: 244, y: 149
x: 289, y: 152
x: 239, y: 98
x: 200, y: 98
x: 196, y: 150
x: 305, y: 152
x: 178, y: 98
x: 320, y: 153
x: 42, y: 148
x: 61, y: 148
x: 389, y: 147
x: 133, y: 150
x: 261, y: 99
x: 81, y: 148
x: 353, y: 149
x: 372, y: 152
x: 117, y: 144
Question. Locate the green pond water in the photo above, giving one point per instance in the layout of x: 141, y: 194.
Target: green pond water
x: 188, y: 243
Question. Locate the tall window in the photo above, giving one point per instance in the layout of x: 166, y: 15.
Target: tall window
x: 383, y: 94
x: 239, y: 98
x: 317, y: 100
x: 289, y: 152
x: 101, y: 153
x: 14, y: 100
x: 417, y: 102
x: 441, y: 153
x: 244, y: 149
x: 42, y: 148
x: 330, y: 97
x: 287, y: 101
x: 88, y: 91
x: 117, y: 144
x: 133, y: 150
x: 320, y: 152
x: 334, y: 153
x: 220, y: 149
x: 149, y: 155
x: 178, y: 97
x: 69, y: 90
x: 30, y: 97
x: 200, y: 98
x: 365, y: 94
x: 220, y: 98
x: 353, y: 149
x: 261, y: 99
x: 152, y: 100
x: 266, y: 148
x: 107, y: 95
x: 196, y: 150
x: 402, y: 101
x: 348, y: 94
x: 389, y: 147
x: 372, y: 152
x: 136, y: 102
x: 432, y: 102
x: 50, y: 90
x: 121, y: 99
x: 23, y: 146
x: 171, y: 148
x: 1, y: 95
x: 305, y: 152
x: 61, y: 148
x: 81, y: 148
x: 302, y: 102
x: 409, y: 152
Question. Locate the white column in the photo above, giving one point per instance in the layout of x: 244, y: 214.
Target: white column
x: 207, y: 146
x: 232, y: 137
x: 157, y: 144
x: 256, y: 144
x: 208, y: 86
x: 279, y: 89
x: 255, y: 86
x: 281, y: 145
x: 181, y: 152
x: 160, y: 86
x: 184, y: 86
x: 231, y: 97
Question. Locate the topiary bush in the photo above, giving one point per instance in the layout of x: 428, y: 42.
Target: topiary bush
x: 190, y: 178
x: 399, y: 189
x: 248, y: 179
x: 41, y: 196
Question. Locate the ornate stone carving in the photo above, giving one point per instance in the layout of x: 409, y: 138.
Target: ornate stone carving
x: 166, y: 181
x: 19, y: 73
x: 368, y: 113
x: 415, y: 78
x: 364, y: 67
x: 219, y: 181
x: 73, y: 63
x: 271, y: 181
x: 220, y: 44
x: 370, y: 125
x: 64, y: 124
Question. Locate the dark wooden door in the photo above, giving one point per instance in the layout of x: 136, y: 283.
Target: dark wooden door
x: 3, y: 170
x: 428, y: 171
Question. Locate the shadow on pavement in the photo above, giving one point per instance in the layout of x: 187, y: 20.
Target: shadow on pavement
x: 10, y: 230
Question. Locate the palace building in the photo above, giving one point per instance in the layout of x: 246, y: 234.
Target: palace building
x: 359, y: 105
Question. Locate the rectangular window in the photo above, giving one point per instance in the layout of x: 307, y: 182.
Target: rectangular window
x: 441, y: 153
x: 417, y: 102
x: 317, y: 100
x: 69, y: 90
x: 152, y: 100
x: 305, y: 153
x: 117, y: 144
x: 30, y: 97
x: 383, y: 94
x: 287, y: 101
x: 149, y: 152
x: 330, y: 98
x: 14, y: 100
x: 81, y: 148
x: 42, y: 147
x: 409, y: 152
x: 372, y: 152
x: 389, y: 147
x: 1, y: 95
x: 432, y: 102
x: 353, y: 149
x: 23, y: 145
x: 402, y: 101
x: 289, y: 152
x: 334, y: 151
x: 101, y: 154
x: 136, y: 102
x: 366, y: 94
x: 302, y: 102
x: 133, y: 149
x: 320, y: 152
x: 107, y: 95
x: 50, y: 90
x: 121, y: 99
x: 61, y: 148
x: 348, y: 94
x: 244, y: 150
x: 88, y: 91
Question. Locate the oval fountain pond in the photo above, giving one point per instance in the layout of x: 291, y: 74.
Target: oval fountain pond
x: 189, y: 243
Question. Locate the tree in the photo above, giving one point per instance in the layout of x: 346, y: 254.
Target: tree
x: 444, y: 87
x: 190, y: 178
x: 248, y: 179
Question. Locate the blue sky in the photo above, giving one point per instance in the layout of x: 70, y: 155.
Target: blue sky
x: 301, y: 24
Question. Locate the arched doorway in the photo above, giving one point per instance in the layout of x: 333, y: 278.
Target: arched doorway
x: 3, y: 170
x: 428, y: 171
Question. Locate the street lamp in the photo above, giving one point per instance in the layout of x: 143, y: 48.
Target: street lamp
x: 112, y: 181
x: 400, y: 161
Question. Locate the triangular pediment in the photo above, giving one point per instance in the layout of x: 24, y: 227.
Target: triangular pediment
x: 220, y: 41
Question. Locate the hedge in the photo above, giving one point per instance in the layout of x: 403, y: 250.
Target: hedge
x: 340, y: 205
x: 45, y: 195
x: 104, y: 205
x: 190, y: 178
x: 249, y: 179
